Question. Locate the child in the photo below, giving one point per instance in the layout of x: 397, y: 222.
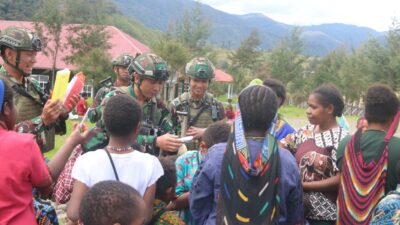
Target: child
x: 283, y: 128
x: 118, y: 161
x: 82, y: 105
x: 22, y: 166
x: 229, y: 112
x: 165, y: 192
x: 112, y: 202
x: 375, y: 169
x: 187, y: 165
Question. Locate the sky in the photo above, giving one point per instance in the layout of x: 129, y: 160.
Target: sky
x: 374, y: 14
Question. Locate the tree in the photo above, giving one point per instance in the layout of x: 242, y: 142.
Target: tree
x: 192, y: 30
x: 248, y: 54
x: 48, y: 24
x: 17, y: 9
x: 89, y: 11
x: 172, y: 51
x: 95, y: 64
x: 287, y: 64
x: 393, y: 53
x: 286, y: 60
x: 354, y: 76
x: 328, y: 68
x: 89, y: 45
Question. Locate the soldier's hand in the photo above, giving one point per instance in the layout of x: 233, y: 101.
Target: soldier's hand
x: 51, y: 111
x: 195, y: 132
x: 168, y: 143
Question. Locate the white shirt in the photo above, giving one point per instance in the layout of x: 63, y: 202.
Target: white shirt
x: 137, y: 169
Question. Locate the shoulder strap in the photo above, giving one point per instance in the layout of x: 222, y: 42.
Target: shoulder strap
x: 112, y: 164
x: 17, y: 88
x: 157, y: 216
x: 215, y: 114
x: 193, y: 120
x: 393, y: 127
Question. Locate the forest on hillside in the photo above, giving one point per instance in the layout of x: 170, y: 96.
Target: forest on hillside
x: 374, y: 62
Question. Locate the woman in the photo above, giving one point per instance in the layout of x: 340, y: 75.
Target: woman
x: 315, y: 148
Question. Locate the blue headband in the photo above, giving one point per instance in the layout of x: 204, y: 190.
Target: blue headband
x: 2, y: 90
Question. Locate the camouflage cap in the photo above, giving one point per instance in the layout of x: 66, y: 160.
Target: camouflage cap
x: 150, y: 66
x: 200, y: 68
x: 123, y: 60
x: 20, y: 39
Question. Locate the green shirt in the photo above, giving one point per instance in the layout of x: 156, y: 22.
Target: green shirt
x: 370, y: 145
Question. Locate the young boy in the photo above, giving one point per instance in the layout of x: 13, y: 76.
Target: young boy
x: 283, y: 128
x: 188, y: 164
x: 112, y: 202
x: 118, y: 161
x: 375, y: 170
x: 165, y: 192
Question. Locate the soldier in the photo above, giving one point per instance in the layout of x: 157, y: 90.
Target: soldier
x: 124, y: 78
x: 150, y: 71
x: 36, y: 114
x: 193, y: 111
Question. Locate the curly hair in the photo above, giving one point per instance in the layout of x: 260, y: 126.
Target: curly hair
x: 278, y: 87
x: 258, y: 106
x: 121, y: 115
x: 329, y: 94
x: 110, y: 202
x: 381, y: 104
x: 215, y: 133
x: 168, y: 179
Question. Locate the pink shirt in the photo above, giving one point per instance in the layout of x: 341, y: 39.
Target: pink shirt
x: 22, y: 167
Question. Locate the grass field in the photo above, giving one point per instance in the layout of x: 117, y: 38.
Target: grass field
x: 61, y: 139
x: 294, y: 115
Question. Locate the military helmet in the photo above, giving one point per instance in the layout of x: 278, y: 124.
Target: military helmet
x: 150, y: 66
x: 123, y: 60
x: 200, y: 68
x: 20, y: 39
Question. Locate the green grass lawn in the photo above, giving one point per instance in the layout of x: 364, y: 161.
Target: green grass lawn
x: 61, y: 139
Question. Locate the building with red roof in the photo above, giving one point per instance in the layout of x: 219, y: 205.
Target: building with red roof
x: 119, y: 41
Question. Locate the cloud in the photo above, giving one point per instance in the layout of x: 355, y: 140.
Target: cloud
x: 374, y: 14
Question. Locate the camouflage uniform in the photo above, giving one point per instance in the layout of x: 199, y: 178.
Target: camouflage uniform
x: 155, y: 120
x: 30, y: 98
x: 94, y: 113
x: 200, y: 113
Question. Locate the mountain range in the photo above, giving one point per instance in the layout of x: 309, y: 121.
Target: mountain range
x: 228, y: 30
